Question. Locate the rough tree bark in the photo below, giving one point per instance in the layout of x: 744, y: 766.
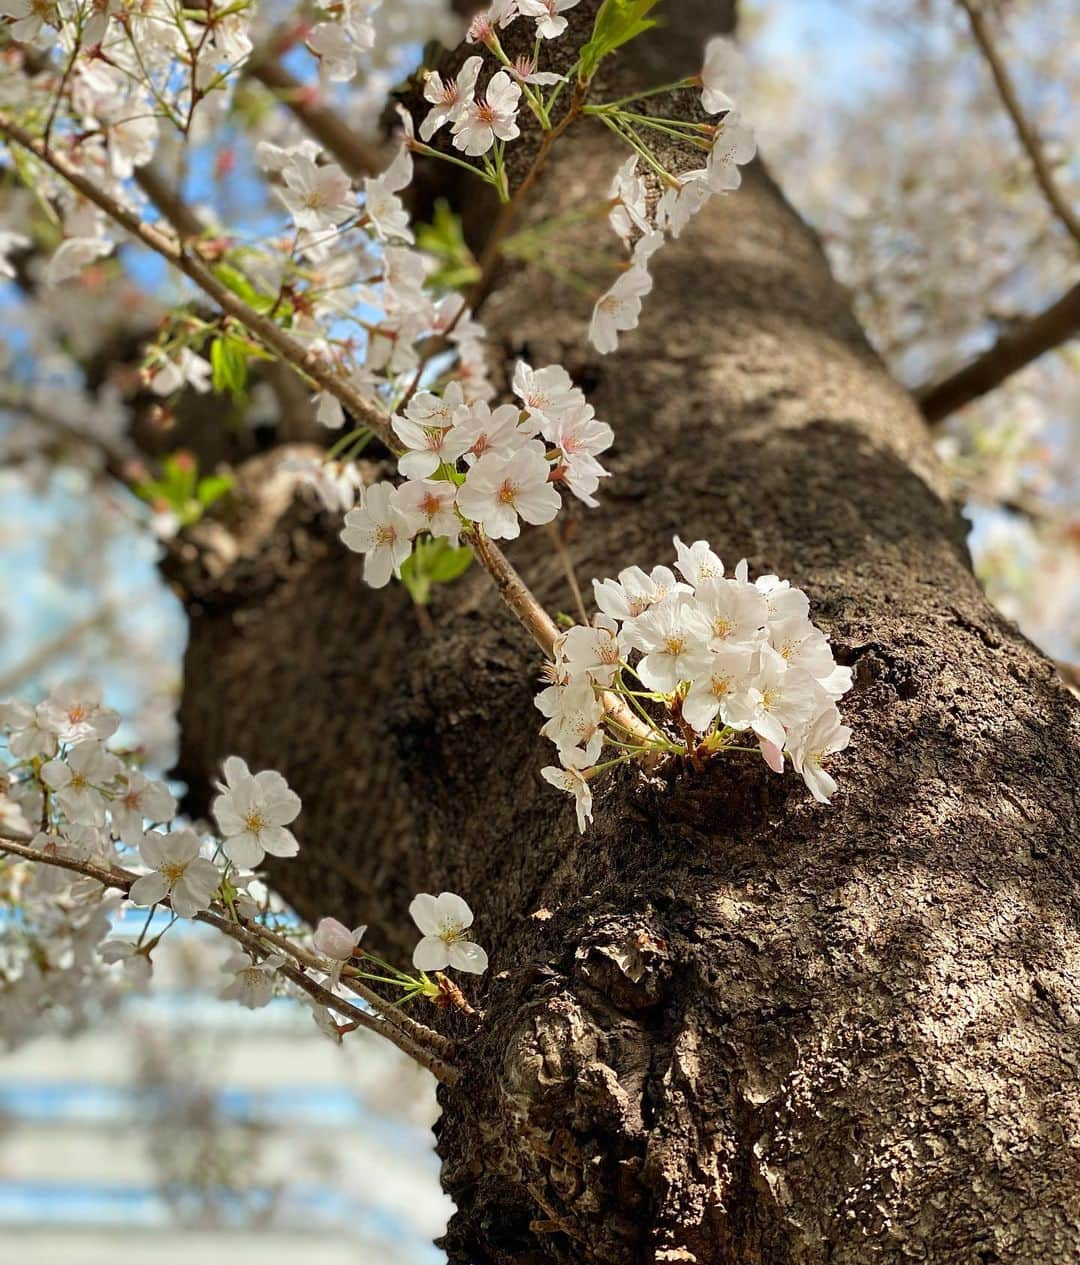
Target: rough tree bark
x: 726, y: 1025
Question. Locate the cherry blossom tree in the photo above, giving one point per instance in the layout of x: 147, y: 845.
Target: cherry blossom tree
x: 764, y: 946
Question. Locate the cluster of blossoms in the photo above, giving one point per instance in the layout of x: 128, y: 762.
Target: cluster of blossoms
x: 467, y: 464
x: 704, y: 660
x: 126, y: 72
x: 100, y: 835
x: 635, y: 213
x: 347, y: 278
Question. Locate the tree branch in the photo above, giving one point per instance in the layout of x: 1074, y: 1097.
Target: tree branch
x: 1011, y: 353
x: 253, y: 937
x: 510, y: 585
x: 1028, y: 137
x: 116, y: 453
x: 168, y: 201
x: 357, y: 156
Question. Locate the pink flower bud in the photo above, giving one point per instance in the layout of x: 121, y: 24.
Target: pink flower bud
x: 334, y: 940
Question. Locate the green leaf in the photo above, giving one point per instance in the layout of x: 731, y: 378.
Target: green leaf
x: 228, y: 360
x: 449, y: 563
x: 445, y: 239
x: 418, y: 585
x: 180, y: 471
x: 235, y: 280
x: 213, y: 488
x: 617, y: 23
x: 433, y: 561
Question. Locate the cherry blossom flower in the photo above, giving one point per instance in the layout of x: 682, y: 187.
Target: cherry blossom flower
x: 252, y: 984
x: 498, y: 489
x: 571, y: 777
x: 489, y: 118
x: 335, y: 941
x: 499, y: 14
x: 252, y: 812
x: 177, y: 871
x: 673, y: 637
x: 443, y: 921
x: 330, y: 43
x: 427, y: 431
x: 713, y: 687
x: 734, y: 610
x: 318, y: 198
x: 357, y: 19
x: 550, y: 23
x: 591, y: 652
x: 545, y: 394
x: 133, y: 959
x: 782, y: 599
x: 80, y: 780
x: 724, y: 71
x: 132, y: 142
x: 697, y: 562
x: 450, y: 99
x: 634, y: 592
x: 185, y: 368
x: 428, y: 505
x: 802, y: 645
x: 428, y: 409
x: 378, y: 529
x: 734, y: 146
x: 29, y: 735
x: 575, y: 716
x: 524, y: 71
x: 485, y: 431
x: 619, y: 308
x: 809, y: 747
x: 779, y: 698
x: 50, y: 880
x: 678, y: 206
x: 275, y: 158
x: 139, y: 799
x: 384, y: 209
x: 628, y: 193
x: 72, y: 256
x: 579, y: 435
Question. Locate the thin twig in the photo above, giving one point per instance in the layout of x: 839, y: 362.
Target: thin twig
x: 1029, y: 138
x: 568, y: 569
x: 254, y: 937
x: 1011, y: 353
x: 168, y: 201
x: 504, y: 221
x: 116, y: 453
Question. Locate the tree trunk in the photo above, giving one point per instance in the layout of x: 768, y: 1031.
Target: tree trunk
x: 727, y: 1024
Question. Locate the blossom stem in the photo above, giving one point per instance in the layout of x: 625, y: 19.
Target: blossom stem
x: 652, y: 92
x: 607, y: 764
x: 146, y: 925
x: 629, y: 137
